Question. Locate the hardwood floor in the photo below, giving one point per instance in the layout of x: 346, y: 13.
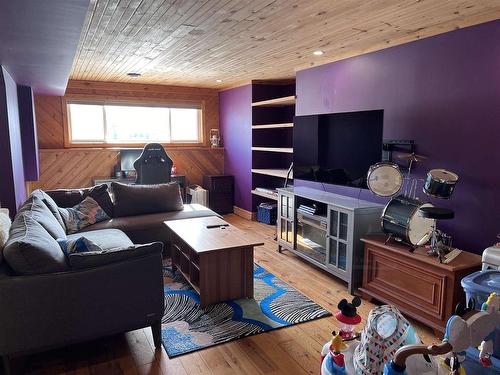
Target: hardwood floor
x: 291, y: 350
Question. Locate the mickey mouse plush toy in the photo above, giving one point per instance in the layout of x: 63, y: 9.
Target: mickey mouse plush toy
x: 348, y: 318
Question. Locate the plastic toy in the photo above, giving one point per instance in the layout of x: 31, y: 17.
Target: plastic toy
x: 388, y: 344
x: 469, y: 329
x: 348, y: 317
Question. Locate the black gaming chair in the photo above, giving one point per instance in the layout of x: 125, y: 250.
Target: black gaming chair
x: 153, y: 166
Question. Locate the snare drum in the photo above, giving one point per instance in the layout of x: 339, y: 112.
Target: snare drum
x: 401, y: 219
x: 385, y: 179
x: 440, y: 183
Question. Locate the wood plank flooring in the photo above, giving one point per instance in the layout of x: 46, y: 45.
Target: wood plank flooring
x: 292, y: 350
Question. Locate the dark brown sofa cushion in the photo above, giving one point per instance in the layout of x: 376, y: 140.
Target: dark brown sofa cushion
x: 66, y: 198
x: 131, y: 200
x: 105, y: 238
x: 51, y: 205
x: 31, y: 249
x: 38, y: 211
x: 99, y: 258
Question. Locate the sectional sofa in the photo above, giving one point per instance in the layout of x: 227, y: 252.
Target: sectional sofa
x: 49, y: 299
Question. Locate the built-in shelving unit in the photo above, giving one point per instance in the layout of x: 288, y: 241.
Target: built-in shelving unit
x: 283, y: 101
x: 273, y: 110
x: 281, y: 173
x: 273, y: 126
x: 287, y: 150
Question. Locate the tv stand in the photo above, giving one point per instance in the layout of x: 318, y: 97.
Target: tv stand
x: 331, y: 240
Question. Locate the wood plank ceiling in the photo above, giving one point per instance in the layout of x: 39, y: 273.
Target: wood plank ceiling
x: 197, y: 42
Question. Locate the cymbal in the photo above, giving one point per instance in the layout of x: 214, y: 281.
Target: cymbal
x: 412, y: 156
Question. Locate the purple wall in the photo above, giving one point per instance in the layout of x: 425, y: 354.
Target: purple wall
x: 236, y: 133
x: 12, y: 184
x: 443, y: 92
x: 28, y: 133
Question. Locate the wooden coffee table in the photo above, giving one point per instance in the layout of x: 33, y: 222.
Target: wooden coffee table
x: 214, y: 257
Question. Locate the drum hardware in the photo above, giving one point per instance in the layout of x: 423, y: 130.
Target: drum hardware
x: 441, y: 243
x: 410, y: 185
x: 411, y: 158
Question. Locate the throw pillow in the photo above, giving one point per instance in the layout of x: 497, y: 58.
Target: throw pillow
x: 80, y: 245
x: 133, y: 200
x: 85, y: 213
x: 67, y: 198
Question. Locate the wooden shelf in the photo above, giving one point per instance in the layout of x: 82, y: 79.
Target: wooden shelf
x: 274, y: 126
x: 278, y: 102
x: 287, y: 150
x: 273, y: 172
x: 265, y: 195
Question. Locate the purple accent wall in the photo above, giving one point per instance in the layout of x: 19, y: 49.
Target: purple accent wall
x: 236, y: 132
x: 12, y: 183
x: 443, y: 92
x: 28, y: 133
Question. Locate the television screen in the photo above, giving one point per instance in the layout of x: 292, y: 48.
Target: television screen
x: 128, y: 157
x: 337, y: 148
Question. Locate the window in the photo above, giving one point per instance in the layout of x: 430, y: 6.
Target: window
x: 124, y: 123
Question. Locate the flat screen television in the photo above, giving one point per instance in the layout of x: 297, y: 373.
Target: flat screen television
x: 337, y: 148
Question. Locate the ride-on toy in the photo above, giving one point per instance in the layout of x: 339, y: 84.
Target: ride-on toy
x: 389, y: 345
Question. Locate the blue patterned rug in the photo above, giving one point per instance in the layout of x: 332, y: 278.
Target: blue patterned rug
x: 186, y: 327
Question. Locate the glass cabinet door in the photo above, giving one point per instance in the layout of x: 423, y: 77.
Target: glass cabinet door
x: 284, y: 206
x: 338, y: 238
x: 332, y: 256
x: 343, y: 225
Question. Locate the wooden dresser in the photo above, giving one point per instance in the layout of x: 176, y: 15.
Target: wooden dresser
x: 415, y: 283
x: 220, y: 192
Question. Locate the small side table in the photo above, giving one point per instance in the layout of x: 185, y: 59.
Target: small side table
x: 415, y: 283
x: 220, y: 192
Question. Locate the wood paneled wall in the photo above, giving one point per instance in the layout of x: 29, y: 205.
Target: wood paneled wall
x: 62, y: 167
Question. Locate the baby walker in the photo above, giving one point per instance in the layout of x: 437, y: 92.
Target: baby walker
x: 389, y: 345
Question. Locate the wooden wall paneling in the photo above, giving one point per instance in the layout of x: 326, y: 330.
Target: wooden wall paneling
x: 197, y: 42
x: 64, y: 167
x: 73, y: 168
x: 49, y: 121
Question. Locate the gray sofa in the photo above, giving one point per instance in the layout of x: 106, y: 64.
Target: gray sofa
x: 49, y: 299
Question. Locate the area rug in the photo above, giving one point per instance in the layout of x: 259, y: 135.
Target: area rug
x: 186, y: 327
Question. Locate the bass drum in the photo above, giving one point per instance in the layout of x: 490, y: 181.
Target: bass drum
x: 401, y: 219
x: 385, y: 179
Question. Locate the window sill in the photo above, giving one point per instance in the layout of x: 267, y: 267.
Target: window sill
x: 117, y: 148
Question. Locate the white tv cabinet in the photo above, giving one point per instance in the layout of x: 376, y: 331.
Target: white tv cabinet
x: 330, y: 239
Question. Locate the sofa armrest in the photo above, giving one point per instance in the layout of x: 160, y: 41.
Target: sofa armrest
x: 43, y: 311
x: 99, y: 258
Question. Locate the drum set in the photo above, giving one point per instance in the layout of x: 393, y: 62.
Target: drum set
x: 406, y: 218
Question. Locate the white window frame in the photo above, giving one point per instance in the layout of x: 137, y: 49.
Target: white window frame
x: 100, y: 143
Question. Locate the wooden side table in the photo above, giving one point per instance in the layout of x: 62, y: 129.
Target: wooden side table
x: 415, y: 283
